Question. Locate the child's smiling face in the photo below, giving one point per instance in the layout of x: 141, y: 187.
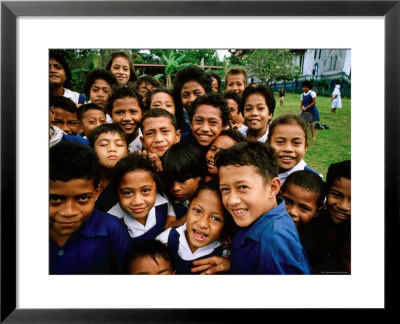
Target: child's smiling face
x: 121, y: 69
x: 127, y: 114
x: 235, y: 83
x: 221, y: 142
x: 56, y: 72
x: 206, y: 124
x: 91, y: 119
x: 163, y: 100
x: 71, y: 204
x: 65, y: 120
x: 290, y: 145
x: 338, y: 201
x: 159, y: 134
x: 205, y: 219
x: 183, y: 191
x: 245, y: 194
x: 137, y: 194
x: 300, y: 203
x: 189, y: 92
x: 256, y: 112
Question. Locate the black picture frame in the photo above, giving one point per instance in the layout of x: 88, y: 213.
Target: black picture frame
x: 10, y: 10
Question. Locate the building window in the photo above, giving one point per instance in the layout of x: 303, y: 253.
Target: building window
x: 315, y: 54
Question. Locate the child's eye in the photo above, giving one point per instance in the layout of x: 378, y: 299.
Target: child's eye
x: 223, y: 190
x: 305, y: 208
x: 197, y: 211
x: 336, y: 194
x: 146, y: 190
x: 126, y: 193
x: 56, y: 199
x: 242, y: 187
x: 166, y: 131
x: 217, y: 219
x: 84, y: 198
x: 288, y: 201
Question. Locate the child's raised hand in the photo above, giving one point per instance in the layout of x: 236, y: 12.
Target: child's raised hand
x: 154, y: 159
x: 212, y: 265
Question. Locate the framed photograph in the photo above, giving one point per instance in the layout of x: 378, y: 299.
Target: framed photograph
x: 30, y: 28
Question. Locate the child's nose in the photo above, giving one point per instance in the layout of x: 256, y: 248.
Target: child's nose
x: 233, y: 199
x: 203, y: 221
x: 205, y: 127
x: 345, y: 204
x: 176, y: 187
x: 69, y: 209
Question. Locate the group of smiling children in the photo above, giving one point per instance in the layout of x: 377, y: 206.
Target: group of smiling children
x: 151, y: 180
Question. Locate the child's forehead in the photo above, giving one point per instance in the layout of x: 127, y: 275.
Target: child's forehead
x: 93, y: 111
x: 78, y: 186
x: 235, y: 76
x: 292, y: 127
x: 299, y: 189
x: 151, y: 122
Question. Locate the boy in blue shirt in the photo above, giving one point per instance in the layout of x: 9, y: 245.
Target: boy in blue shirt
x: 82, y: 240
x: 267, y: 241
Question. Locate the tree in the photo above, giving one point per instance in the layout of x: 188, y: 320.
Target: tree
x: 172, y: 64
x: 271, y: 65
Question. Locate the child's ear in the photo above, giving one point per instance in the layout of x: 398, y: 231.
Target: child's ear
x: 52, y: 113
x: 275, y: 186
x: 98, y: 191
x: 178, y: 135
x: 142, y: 141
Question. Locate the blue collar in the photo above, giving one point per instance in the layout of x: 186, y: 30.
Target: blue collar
x: 255, y: 230
x: 95, y: 225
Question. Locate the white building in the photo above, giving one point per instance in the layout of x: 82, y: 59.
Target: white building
x: 316, y: 62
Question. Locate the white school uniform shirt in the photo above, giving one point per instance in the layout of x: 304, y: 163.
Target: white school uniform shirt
x: 136, y: 229
x: 298, y: 167
x: 136, y: 144
x: 263, y: 138
x: 74, y: 96
x: 184, y: 250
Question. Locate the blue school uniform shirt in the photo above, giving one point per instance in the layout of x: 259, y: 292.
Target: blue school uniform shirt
x: 98, y: 247
x: 155, y: 221
x: 183, y: 257
x: 270, y: 245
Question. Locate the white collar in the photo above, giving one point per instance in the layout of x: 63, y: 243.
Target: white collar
x: 135, y: 228
x: 299, y: 166
x: 136, y: 144
x: 184, y: 250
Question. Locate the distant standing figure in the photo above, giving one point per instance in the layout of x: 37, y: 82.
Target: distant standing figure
x: 336, y: 99
x: 281, y: 97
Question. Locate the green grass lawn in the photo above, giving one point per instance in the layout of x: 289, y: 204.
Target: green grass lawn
x: 331, y: 145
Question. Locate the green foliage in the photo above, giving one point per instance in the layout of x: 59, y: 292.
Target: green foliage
x: 331, y: 145
x: 271, y: 65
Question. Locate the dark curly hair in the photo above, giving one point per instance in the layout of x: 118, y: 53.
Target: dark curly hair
x: 132, y: 162
x: 97, y: 74
x: 251, y: 153
x: 309, y: 181
x: 59, y: 57
x: 213, y: 99
x: 63, y: 103
x: 338, y: 170
x: 123, y: 92
x: 72, y: 160
x: 190, y: 73
x: 233, y: 134
x: 148, y: 78
x: 262, y: 90
x: 132, y: 76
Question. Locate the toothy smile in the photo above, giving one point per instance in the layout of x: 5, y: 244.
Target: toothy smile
x: 199, y: 236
